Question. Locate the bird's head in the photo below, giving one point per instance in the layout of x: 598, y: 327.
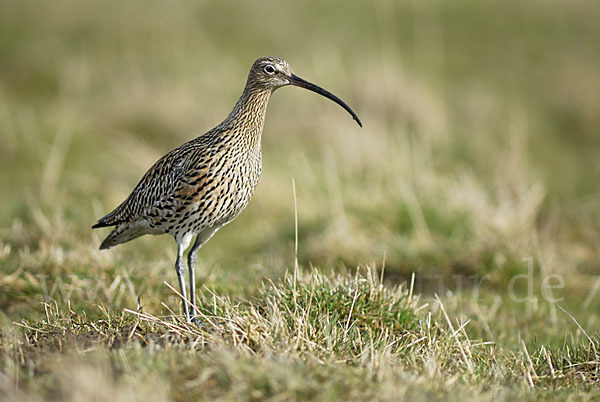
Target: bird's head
x: 274, y: 72
x: 270, y: 73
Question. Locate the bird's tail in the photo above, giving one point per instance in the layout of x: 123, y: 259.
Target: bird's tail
x: 122, y: 233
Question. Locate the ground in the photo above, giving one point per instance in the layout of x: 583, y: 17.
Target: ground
x: 447, y: 250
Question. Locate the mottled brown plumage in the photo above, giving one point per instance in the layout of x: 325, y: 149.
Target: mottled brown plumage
x: 205, y: 183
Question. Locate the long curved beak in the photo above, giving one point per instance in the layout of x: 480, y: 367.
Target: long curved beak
x: 299, y: 82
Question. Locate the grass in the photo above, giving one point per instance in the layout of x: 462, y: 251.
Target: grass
x: 314, y: 337
x: 447, y: 250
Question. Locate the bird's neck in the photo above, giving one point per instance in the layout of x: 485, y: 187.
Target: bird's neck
x: 247, y: 118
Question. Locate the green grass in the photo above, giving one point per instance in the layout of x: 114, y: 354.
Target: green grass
x: 478, y: 162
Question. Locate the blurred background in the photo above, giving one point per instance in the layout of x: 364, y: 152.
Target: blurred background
x: 479, y: 149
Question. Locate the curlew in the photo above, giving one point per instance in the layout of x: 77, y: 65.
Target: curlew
x: 199, y: 187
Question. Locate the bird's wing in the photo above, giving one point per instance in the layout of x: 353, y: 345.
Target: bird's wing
x: 157, y: 188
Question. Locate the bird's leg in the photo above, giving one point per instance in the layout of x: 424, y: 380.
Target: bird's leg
x: 192, y: 257
x: 180, y: 269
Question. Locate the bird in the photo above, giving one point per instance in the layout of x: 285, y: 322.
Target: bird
x: 204, y: 184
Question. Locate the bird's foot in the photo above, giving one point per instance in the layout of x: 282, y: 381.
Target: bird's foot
x: 197, y: 322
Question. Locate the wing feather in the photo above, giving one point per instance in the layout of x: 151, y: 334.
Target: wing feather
x: 157, y: 187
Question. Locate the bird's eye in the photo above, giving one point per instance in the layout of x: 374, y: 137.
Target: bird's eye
x: 269, y: 69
